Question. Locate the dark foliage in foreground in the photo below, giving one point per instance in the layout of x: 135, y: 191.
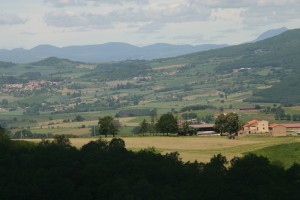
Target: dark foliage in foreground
x: 101, y: 170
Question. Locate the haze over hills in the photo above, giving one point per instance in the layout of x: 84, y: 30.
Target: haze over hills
x: 270, y: 33
x: 262, y: 73
x: 113, y: 51
x: 273, y: 74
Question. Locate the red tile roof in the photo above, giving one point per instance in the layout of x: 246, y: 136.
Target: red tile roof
x: 248, y: 108
x: 295, y: 125
x: 274, y: 125
x: 250, y: 123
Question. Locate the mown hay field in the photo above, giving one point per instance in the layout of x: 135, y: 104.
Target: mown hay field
x: 197, y: 148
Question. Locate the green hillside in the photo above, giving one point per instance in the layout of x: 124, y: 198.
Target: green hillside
x: 286, y: 154
x: 223, y: 80
x: 53, y: 61
x: 280, y: 53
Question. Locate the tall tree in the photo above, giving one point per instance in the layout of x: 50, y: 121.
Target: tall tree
x: 108, y: 126
x: 233, y: 124
x: 167, y: 123
x: 220, y: 124
x: 144, y: 127
x: 228, y: 123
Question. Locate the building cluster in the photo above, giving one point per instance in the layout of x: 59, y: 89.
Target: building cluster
x: 251, y: 127
x: 263, y: 126
x: 30, y: 86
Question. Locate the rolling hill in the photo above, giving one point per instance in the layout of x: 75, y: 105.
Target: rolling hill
x: 281, y: 53
x: 266, y: 71
x: 113, y: 51
x: 270, y: 33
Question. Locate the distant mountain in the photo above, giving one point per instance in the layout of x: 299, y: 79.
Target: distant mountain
x: 270, y: 33
x: 113, y: 51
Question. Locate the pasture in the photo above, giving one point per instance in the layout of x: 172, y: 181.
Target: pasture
x: 198, y: 148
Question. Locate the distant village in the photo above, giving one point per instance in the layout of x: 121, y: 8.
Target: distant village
x: 30, y: 86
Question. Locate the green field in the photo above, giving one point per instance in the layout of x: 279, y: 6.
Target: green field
x: 286, y: 154
x: 203, y: 148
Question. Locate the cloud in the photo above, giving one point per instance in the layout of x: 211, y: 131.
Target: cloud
x: 151, y: 17
x: 11, y: 19
x: 270, y: 12
x: 28, y: 33
x: 155, y: 15
x: 63, y: 19
x: 64, y: 3
x: 257, y: 12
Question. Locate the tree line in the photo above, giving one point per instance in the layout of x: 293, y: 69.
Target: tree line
x: 107, y: 170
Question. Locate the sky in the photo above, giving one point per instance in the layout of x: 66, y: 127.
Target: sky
x: 26, y: 24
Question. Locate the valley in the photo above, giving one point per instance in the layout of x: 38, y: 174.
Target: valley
x: 47, y: 96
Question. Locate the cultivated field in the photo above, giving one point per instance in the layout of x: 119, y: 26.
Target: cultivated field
x: 198, y: 148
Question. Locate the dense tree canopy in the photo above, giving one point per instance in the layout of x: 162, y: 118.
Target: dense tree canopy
x: 108, y: 126
x: 167, y: 123
x: 106, y: 170
x: 228, y: 123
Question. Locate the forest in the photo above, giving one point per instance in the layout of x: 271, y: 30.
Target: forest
x: 107, y: 170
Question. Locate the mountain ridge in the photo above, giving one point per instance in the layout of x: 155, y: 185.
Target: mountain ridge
x: 270, y: 33
x: 112, y: 51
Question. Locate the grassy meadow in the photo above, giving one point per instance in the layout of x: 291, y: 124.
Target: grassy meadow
x: 285, y: 154
x: 202, y: 148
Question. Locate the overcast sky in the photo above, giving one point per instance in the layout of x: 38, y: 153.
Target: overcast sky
x: 141, y: 22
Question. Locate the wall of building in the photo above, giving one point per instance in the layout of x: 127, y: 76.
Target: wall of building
x: 279, y: 131
x: 263, y: 126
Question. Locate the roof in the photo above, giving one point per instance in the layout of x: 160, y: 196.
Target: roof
x: 294, y: 125
x: 248, y: 108
x: 250, y: 123
x: 274, y: 125
x: 202, y: 125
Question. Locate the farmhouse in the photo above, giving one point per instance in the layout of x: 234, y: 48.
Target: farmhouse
x: 255, y: 126
x: 284, y: 129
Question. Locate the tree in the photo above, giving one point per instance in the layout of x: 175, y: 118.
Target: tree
x: 2, y: 130
x: 79, y: 118
x: 108, y: 126
x: 4, y: 103
x: 233, y: 124
x: 186, y: 129
x: 228, y: 124
x: 143, y: 127
x: 62, y: 140
x: 189, y: 116
x: 220, y: 124
x: 167, y: 123
x: 117, y: 144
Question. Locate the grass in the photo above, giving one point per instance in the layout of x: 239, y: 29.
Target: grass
x: 286, y: 154
x: 201, y: 148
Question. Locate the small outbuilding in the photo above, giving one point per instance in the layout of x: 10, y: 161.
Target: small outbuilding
x: 278, y: 130
x: 204, y: 129
x: 284, y: 129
